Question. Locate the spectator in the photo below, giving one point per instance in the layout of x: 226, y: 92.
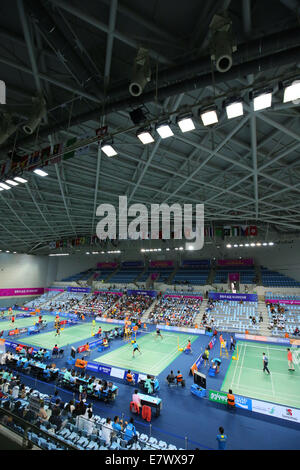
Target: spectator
x: 130, y: 434
x: 107, y: 430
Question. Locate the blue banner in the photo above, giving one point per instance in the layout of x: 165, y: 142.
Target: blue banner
x: 237, y: 297
x: 85, y: 290
x: 151, y: 293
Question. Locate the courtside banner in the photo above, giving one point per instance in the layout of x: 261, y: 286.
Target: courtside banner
x: 24, y: 291
x: 237, y: 297
x: 262, y: 339
x: 217, y: 397
x: 277, y: 411
x: 193, y: 331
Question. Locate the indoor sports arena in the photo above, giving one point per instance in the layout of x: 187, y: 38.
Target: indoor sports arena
x: 149, y: 226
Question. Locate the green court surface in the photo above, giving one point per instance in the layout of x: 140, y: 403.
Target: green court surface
x: 156, y: 355
x: 245, y: 377
x: 70, y: 334
x: 23, y: 322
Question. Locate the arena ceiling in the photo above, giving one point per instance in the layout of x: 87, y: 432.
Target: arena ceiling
x: 245, y: 170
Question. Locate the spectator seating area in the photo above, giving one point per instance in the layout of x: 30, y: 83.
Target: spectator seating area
x: 194, y: 276
x: 283, y: 319
x: 175, y: 311
x: 126, y: 275
x: 73, y: 423
x: 47, y: 296
x: 66, y: 301
x: 82, y: 276
x: 104, y: 274
x: 247, y: 274
x: 131, y: 306
x: 96, y: 304
x: 164, y: 274
x: 275, y: 279
x: 233, y: 316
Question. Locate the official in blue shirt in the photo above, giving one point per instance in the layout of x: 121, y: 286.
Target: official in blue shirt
x: 222, y: 439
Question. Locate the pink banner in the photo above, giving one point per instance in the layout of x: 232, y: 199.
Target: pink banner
x: 185, y: 296
x: 235, y: 262
x: 24, y: 291
x: 161, y: 264
x: 107, y: 265
x: 283, y: 301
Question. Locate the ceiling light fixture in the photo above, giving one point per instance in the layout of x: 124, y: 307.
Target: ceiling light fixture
x: 145, y: 136
x: 209, y: 116
x: 40, y: 172
x: 261, y: 99
x: 185, y: 123
x: 164, y: 130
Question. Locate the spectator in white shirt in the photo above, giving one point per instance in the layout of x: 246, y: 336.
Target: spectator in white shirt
x: 106, y: 431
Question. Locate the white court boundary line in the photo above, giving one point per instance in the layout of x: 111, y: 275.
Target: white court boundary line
x: 165, y: 357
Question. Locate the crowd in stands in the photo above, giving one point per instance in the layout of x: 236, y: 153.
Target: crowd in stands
x: 66, y: 301
x: 72, y: 422
x: 283, y: 319
x: 96, y: 304
x: 278, y: 317
x: 130, y: 306
x: 176, y: 311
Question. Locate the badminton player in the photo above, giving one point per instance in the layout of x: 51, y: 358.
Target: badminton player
x: 158, y: 333
x: 135, y: 348
x: 57, y: 330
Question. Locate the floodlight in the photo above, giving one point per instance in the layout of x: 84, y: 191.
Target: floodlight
x: 145, y: 136
x: 209, y: 116
x: 164, y: 130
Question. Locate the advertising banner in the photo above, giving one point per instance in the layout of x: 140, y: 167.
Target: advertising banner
x: 236, y: 297
x: 151, y: 293
x: 277, y: 411
x: 186, y: 296
x: 217, y: 397
x: 161, y: 264
x: 85, y: 290
x: 283, y: 301
x: 235, y: 262
x: 108, y: 265
x: 24, y: 291
x: 195, y: 262
x: 133, y: 264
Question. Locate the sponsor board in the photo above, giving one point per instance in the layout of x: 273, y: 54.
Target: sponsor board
x: 217, y: 397
x: 277, y: 411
